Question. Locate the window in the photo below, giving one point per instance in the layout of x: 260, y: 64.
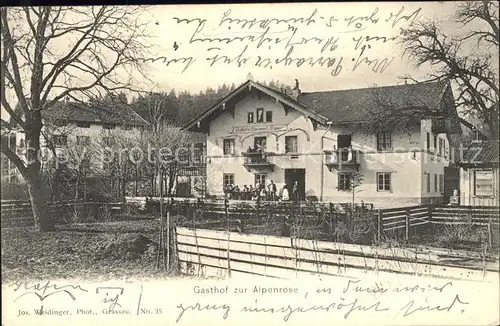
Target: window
x: 260, y: 115
x: 269, y: 116
x: 198, y: 152
x: 260, y: 143
x: 60, y: 140
x: 228, y: 179
x: 384, y: 141
x: 428, y: 182
x: 435, y: 182
x: 82, y: 140
x: 260, y: 178
x: 228, y: 146
x: 344, y: 181
x: 434, y: 149
x: 291, y: 144
x: 109, y: 126
x: 441, y: 146
x: 250, y: 117
x: 383, y: 181
x: 483, y: 183
x: 441, y: 183
x: 83, y: 124
x: 428, y: 141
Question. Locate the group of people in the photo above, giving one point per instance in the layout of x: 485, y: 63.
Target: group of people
x: 261, y: 192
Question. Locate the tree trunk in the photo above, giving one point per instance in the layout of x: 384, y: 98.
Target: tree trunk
x: 33, y: 177
x: 39, y: 204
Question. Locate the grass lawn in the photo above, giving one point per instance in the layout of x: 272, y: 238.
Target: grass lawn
x: 128, y: 249
x: 114, y: 250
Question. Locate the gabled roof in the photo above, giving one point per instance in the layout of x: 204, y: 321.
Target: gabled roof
x: 286, y: 100
x: 353, y: 105
x: 356, y: 105
x: 79, y: 112
x: 481, y: 153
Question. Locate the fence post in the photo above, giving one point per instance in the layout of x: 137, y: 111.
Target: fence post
x: 407, y: 224
x: 379, y: 225
x: 490, y: 235
x: 226, y: 204
x: 285, y: 231
x: 330, y: 213
x: 258, y: 207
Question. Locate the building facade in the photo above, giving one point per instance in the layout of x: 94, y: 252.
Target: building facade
x: 70, y: 127
x: 320, y: 140
x: 479, y: 174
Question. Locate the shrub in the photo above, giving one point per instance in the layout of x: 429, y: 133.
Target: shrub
x: 454, y: 234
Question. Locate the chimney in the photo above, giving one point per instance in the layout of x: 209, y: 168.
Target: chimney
x: 296, y: 89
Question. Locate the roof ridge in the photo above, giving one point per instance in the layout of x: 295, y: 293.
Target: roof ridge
x: 370, y: 87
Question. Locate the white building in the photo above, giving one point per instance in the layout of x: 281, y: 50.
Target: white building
x: 305, y: 137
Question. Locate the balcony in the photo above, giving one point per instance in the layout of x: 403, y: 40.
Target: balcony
x: 257, y: 160
x: 191, y: 166
x: 344, y: 159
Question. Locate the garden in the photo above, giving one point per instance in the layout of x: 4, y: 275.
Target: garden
x: 128, y: 243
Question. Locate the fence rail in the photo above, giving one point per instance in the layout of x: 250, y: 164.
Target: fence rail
x: 217, y: 253
x: 19, y: 214
x: 408, y: 218
x: 279, y: 217
x: 402, y: 218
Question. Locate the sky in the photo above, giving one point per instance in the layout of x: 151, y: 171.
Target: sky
x: 325, y: 46
x: 330, y: 21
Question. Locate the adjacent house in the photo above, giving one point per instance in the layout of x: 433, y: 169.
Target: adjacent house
x: 319, y: 139
x: 70, y: 124
x: 479, y: 174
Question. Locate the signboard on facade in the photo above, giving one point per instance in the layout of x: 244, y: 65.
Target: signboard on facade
x: 483, y: 183
x: 249, y: 129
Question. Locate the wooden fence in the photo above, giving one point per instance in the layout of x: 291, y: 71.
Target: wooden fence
x: 402, y: 219
x: 18, y: 213
x: 307, y: 220
x: 480, y: 215
x: 218, y: 253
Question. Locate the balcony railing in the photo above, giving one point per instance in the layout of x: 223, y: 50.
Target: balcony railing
x: 344, y: 158
x: 256, y: 159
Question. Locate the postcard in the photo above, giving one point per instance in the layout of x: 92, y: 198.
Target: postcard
x: 250, y: 164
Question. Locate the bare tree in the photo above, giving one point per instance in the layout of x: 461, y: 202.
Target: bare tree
x: 156, y: 109
x: 168, y: 149
x: 471, y: 60
x: 50, y: 53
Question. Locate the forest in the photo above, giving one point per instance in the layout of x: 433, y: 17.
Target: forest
x: 175, y: 108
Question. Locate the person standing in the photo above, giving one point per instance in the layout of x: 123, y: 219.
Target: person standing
x: 272, y: 190
x: 284, y: 194
x: 262, y: 194
x: 295, y: 191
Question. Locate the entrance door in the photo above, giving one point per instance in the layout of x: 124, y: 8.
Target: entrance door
x: 259, y: 143
x: 344, y: 141
x: 183, y: 187
x: 451, y: 182
x: 293, y: 175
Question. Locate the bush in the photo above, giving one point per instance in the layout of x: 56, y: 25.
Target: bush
x: 458, y: 234
x: 14, y: 191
